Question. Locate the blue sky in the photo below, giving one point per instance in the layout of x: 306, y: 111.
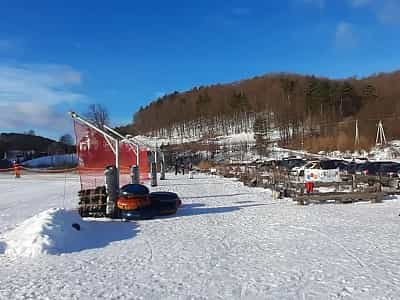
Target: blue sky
x: 62, y: 55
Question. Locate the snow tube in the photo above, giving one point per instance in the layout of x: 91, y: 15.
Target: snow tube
x: 165, y: 203
x: 141, y: 213
x: 133, y: 203
x: 134, y: 189
x: 133, y: 196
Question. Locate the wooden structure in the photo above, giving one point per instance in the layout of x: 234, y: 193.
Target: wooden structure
x: 351, y: 188
x: 340, y: 197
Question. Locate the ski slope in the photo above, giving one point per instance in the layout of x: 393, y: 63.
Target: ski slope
x: 226, y: 242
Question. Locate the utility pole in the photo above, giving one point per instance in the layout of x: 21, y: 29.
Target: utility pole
x: 380, y: 135
x: 357, y: 137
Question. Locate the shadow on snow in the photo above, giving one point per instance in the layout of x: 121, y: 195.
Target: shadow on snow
x: 99, y: 234
x: 93, y: 234
x: 218, y: 196
x: 2, y: 247
x: 189, y: 184
x: 200, y: 209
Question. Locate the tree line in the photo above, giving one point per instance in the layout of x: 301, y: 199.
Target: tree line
x: 298, y: 108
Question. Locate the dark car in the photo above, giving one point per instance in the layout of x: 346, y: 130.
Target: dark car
x: 389, y: 169
x: 5, y: 164
x: 334, y: 164
x: 361, y: 169
x: 288, y: 164
x: 378, y: 168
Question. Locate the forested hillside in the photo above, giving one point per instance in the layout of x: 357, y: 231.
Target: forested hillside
x: 29, y: 142
x: 305, y: 110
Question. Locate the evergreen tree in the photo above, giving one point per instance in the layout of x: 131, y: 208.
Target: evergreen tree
x: 369, y: 92
x: 261, y: 135
x: 351, y: 102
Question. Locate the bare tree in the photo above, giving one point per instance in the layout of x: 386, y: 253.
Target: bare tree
x: 98, y: 114
x: 30, y: 132
x: 55, y: 148
x: 67, y: 139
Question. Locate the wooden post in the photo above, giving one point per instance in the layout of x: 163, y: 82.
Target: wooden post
x: 135, y: 175
x: 112, y: 187
x: 153, y: 174
x: 162, y: 169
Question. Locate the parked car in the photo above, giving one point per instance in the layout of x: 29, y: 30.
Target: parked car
x: 290, y: 163
x: 387, y: 169
x: 5, y: 164
x: 351, y: 167
x: 299, y: 171
x: 334, y: 164
x: 390, y: 170
x: 379, y: 168
x: 361, y: 169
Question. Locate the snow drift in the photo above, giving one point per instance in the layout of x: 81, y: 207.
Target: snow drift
x: 51, y: 232
x: 52, y: 161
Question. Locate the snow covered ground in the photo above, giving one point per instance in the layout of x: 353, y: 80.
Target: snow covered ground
x: 31, y: 194
x: 226, y: 242
x: 244, y: 137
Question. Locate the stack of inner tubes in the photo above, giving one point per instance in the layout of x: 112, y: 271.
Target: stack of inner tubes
x: 165, y: 203
x: 136, y: 202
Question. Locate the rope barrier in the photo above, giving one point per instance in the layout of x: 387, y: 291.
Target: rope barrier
x: 86, y: 171
x: 37, y: 170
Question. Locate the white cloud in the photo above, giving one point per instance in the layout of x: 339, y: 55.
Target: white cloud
x: 345, y: 37
x: 29, y: 95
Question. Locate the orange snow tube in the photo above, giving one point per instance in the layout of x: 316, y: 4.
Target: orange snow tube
x: 133, y: 203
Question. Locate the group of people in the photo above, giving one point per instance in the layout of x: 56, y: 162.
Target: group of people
x: 181, y: 166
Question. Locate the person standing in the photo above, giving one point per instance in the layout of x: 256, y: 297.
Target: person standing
x: 190, y: 171
x: 183, y: 168
x: 176, y: 167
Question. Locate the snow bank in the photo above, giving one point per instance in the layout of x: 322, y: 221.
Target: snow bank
x: 158, y: 141
x: 244, y: 137
x: 389, y: 152
x: 51, y: 232
x: 237, y: 138
x: 52, y: 161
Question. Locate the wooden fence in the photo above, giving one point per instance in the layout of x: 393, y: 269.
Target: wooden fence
x: 351, y: 188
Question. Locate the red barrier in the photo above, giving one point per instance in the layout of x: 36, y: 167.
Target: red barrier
x: 95, y: 153
x: 144, y: 165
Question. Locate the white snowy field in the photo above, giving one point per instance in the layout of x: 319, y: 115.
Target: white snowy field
x: 226, y: 242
